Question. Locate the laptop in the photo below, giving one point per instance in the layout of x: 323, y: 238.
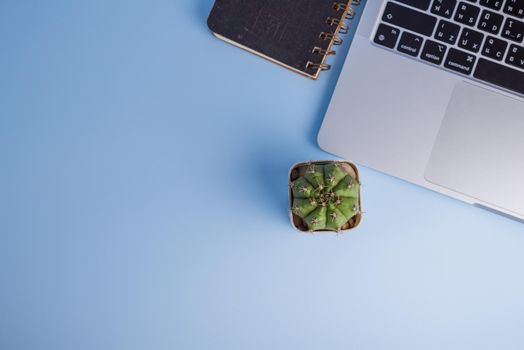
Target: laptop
x: 432, y: 92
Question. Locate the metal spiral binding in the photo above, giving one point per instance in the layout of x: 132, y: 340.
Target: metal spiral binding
x: 341, y: 27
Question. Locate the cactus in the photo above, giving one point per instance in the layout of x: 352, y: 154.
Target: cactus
x: 325, y: 197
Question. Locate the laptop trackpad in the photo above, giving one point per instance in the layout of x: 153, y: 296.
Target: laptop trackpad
x: 479, y: 151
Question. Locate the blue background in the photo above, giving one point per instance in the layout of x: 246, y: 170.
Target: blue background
x: 143, y: 203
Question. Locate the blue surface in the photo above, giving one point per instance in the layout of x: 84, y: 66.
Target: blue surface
x: 143, y: 203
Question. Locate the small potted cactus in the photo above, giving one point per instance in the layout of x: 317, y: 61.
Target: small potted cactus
x: 324, y: 196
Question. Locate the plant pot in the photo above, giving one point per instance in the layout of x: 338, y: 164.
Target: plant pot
x: 324, y: 196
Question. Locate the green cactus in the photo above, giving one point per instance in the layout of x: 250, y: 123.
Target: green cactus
x: 325, y: 197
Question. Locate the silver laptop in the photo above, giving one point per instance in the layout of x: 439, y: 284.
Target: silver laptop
x: 432, y: 92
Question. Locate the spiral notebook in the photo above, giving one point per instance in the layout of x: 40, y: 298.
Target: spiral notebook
x: 299, y: 35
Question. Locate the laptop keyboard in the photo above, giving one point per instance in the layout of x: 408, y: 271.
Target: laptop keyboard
x: 480, y: 39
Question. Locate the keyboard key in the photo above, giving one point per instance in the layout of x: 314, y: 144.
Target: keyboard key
x: 410, y: 44
x: 433, y: 52
x: 467, y: 14
x: 490, y: 22
x: 492, y: 4
x: 516, y: 56
x: 470, y: 40
x: 386, y: 36
x: 515, y: 8
x: 420, y: 4
x: 447, y: 32
x: 494, y: 48
x: 443, y: 8
x: 500, y: 75
x: 513, y: 30
x: 460, y: 61
x: 410, y: 19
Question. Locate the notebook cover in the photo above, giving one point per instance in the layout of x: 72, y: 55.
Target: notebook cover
x: 282, y: 31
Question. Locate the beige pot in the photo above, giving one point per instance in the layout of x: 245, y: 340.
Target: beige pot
x: 298, y: 170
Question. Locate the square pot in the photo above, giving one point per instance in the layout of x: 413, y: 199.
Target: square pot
x: 299, y: 170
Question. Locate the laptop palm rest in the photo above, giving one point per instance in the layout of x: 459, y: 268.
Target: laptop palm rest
x: 479, y: 150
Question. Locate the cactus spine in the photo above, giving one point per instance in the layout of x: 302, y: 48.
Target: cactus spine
x: 325, y: 197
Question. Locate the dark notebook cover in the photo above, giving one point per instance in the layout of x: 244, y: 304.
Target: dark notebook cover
x: 296, y: 34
